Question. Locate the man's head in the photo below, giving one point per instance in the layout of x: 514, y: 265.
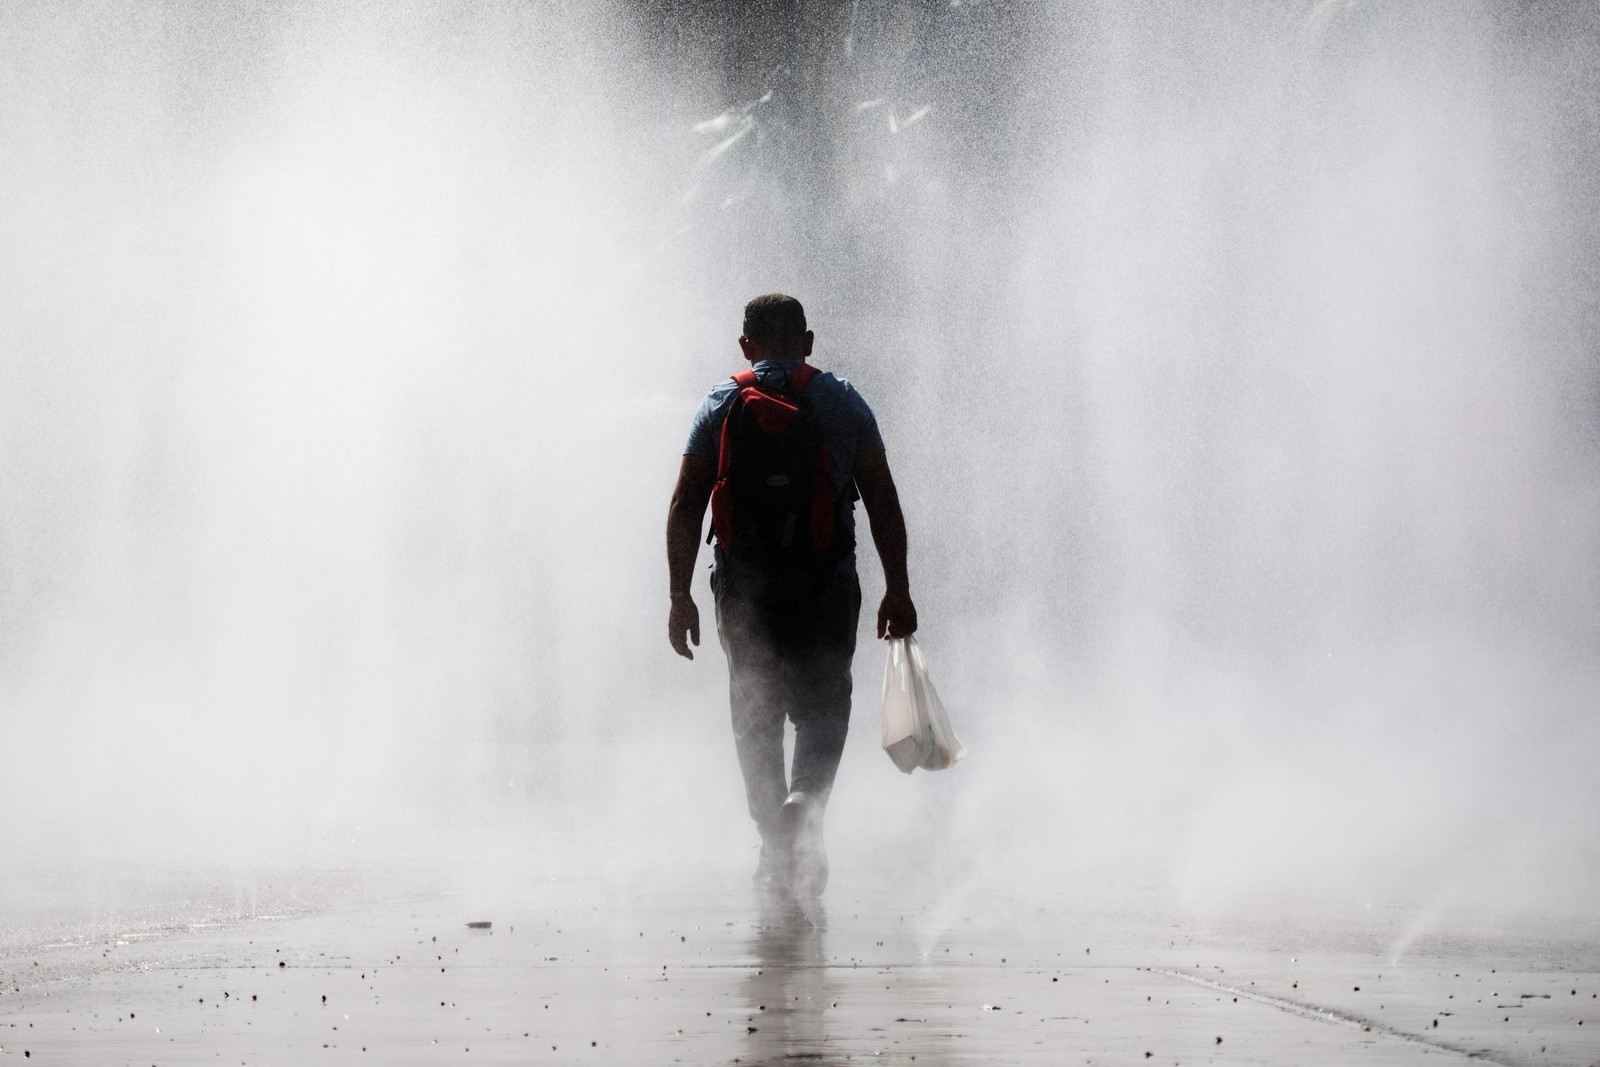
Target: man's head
x: 775, y: 328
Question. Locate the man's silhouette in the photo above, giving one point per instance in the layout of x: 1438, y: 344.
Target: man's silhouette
x: 788, y: 628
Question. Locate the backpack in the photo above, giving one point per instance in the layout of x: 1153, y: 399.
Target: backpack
x: 774, y: 507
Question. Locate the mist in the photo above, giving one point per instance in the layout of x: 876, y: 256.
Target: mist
x: 1236, y: 365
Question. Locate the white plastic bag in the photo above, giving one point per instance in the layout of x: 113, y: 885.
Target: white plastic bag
x: 916, y: 731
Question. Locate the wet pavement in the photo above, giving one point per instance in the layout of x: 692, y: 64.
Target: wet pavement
x: 608, y: 973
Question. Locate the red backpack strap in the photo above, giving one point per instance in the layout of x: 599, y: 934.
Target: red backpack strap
x: 721, y: 505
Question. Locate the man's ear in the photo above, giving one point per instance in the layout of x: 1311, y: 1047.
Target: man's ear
x: 748, y: 348
x: 806, y: 342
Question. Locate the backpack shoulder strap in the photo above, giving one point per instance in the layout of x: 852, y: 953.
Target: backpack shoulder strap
x: 745, y: 379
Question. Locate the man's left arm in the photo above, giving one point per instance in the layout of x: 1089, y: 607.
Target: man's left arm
x: 897, y: 615
x: 685, y: 516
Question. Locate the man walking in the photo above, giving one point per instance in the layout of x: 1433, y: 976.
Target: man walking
x: 780, y: 452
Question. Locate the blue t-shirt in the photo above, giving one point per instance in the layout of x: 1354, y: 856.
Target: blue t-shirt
x: 847, y: 422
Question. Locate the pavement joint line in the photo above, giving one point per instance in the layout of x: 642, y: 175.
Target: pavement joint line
x: 1335, y: 1017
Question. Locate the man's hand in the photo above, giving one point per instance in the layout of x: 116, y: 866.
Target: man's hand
x: 685, y: 619
x: 897, y: 616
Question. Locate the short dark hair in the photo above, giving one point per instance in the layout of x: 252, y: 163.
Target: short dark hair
x: 774, y: 317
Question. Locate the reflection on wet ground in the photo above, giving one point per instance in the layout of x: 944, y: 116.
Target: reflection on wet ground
x: 790, y: 987
x: 727, y: 974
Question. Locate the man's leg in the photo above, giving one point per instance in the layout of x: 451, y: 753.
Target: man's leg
x: 819, y: 679
x: 818, y: 673
x: 757, y: 705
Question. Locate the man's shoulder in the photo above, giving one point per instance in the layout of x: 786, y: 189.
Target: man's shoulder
x: 708, y: 419
x: 838, y: 390
x: 721, y: 393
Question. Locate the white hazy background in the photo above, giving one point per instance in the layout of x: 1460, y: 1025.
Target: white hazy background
x: 1237, y: 364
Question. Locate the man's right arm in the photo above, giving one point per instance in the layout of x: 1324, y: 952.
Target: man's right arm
x: 897, y: 615
x: 696, y: 476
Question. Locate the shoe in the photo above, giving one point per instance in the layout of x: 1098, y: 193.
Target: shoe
x: 801, y: 820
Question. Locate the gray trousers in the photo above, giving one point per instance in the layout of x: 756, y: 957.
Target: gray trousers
x: 787, y: 663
